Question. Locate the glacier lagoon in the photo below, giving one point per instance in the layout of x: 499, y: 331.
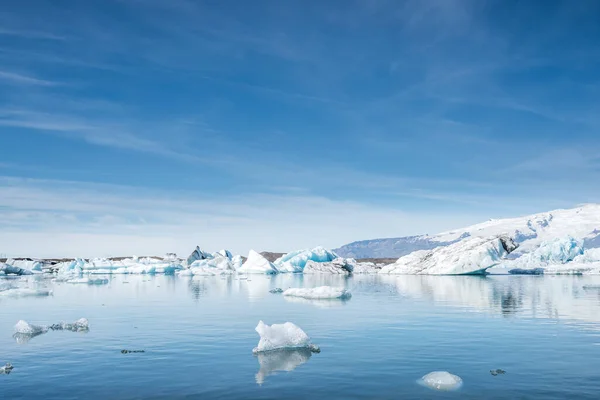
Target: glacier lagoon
x: 198, y: 335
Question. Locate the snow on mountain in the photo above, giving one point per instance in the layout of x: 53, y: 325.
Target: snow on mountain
x: 529, y: 232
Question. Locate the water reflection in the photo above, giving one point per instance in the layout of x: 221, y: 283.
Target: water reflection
x: 568, y: 298
x: 321, y: 303
x: 280, y: 360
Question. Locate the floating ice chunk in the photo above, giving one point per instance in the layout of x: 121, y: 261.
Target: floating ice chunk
x: 6, y: 369
x: 81, y: 325
x: 25, y: 328
x: 441, y: 380
x: 89, y: 281
x: 276, y: 290
x: 470, y: 256
x: 280, y: 360
x: 25, y: 292
x: 521, y: 271
x: 322, y: 292
x: 257, y: 264
x: 366, y: 268
x: 296, y: 261
x: 218, y: 262
x: 282, y: 336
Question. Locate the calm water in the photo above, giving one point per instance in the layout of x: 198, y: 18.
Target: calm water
x: 198, y: 334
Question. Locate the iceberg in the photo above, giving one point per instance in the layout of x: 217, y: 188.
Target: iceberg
x: 441, y: 380
x: 218, y: 262
x: 470, y: 256
x: 25, y: 328
x: 237, y: 262
x: 282, y: 336
x: 10, y: 269
x: 280, y: 360
x: 318, y: 293
x: 28, y: 265
x: 340, y: 266
x: 296, y: 261
x: 557, y: 251
x: 257, y: 264
x: 196, y: 255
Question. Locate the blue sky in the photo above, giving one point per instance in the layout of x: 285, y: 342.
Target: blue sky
x: 152, y: 126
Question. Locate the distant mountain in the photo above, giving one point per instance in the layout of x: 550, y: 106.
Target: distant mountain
x: 530, y: 231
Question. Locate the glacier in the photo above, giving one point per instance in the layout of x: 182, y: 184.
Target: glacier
x: 319, y: 293
x: 257, y: 264
x: 470, y: 256
x: 441, y: 380
x: 296, y: 261
x: 282, y: 336
x: 582, y: 222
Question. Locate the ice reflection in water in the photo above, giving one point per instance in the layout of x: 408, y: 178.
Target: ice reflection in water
x: 280, y: 360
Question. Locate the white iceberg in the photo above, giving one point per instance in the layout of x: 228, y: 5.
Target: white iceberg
x: 441, y: 380
x: 322, y: 292
x: 285, y: 360
x: 296, y: 261
x: 237, y: 262
x: 282, y: 336
x: 27, y: 264
x: 470, y: 256
x: 257, y: 264
x: 340, y: 266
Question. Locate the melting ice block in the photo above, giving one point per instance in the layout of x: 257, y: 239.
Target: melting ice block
x: 282, y: 336
x: 441, y: 380
x: 470, y: 256
x: 322, y: 292
x: 257, y: 264
x: 25, y: 331
x: 25, y: 328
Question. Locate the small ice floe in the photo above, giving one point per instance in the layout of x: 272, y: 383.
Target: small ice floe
x: 89, y: 281
x: 322, y: 292
x: 441, y: 380
x: 496, y: 372
x: 285, y: 360
x: 24, y: 292
x: 25, y: 331
x: 132, y: 351
x: 6, y: 369
x: 276, y: 290
x: 282, y: 336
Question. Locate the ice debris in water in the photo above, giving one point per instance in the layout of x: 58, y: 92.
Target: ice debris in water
x: 281, y: 360
x: 89, y: 281
x: 24, y: 292
x: 322, y: 292
x: 276, y: 290
x: 132, y: 351
x: 496, y: 372
x: 25, y: 331
x: 282, y: 336
x: 6, y: 369
x: 441, y: 380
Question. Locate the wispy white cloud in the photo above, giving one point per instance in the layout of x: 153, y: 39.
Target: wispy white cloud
x: 110, y: 219
x: 20, y: 79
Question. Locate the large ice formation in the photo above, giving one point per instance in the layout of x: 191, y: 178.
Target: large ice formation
x: 257, y: 264
x: 282, y: 336
x: 473, y: 255
x: 323, y: 292
x: 340, y: 266
x: 280, y: 360
x: 441, y: 380
x: 296, y: 261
